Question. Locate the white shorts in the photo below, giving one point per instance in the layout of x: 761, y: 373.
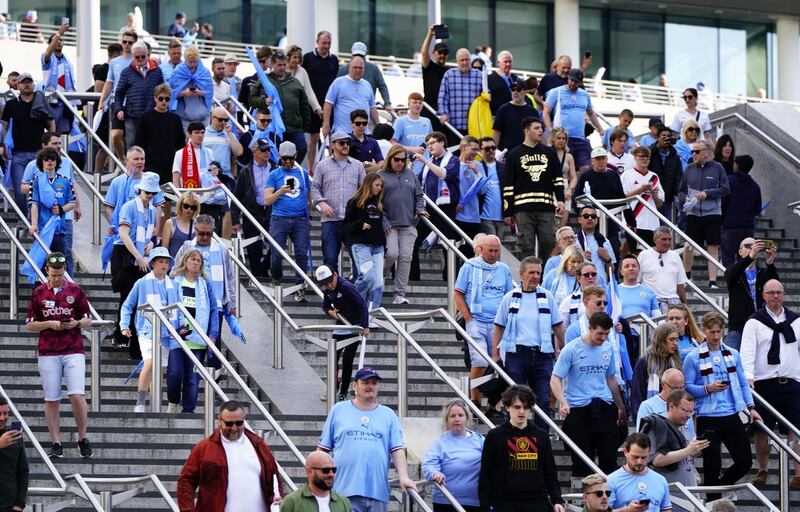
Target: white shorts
x: 52, y: 368
x: 146, y: 346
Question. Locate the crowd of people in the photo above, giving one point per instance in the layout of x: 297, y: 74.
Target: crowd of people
x: 561, y: 332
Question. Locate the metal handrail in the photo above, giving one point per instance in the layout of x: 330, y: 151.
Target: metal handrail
x: 600, y: 205
x: 772, y: 410
x: 445, y: 492
x: 211, y: 385
x: 230, y: 116
x: 724, y: 488
x: 129, y: 480
x: 762, y: 135
x: 446, y: 124
x: 244, y: 110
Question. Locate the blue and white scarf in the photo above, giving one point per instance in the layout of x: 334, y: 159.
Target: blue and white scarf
x: 481, y: 273
x: 202, y: 309
x: 214, y: 262
x: 575, y: 301
x: 51, y: 74
x: 145, y: 222
x: 508, y: 343
x: 161, y: 292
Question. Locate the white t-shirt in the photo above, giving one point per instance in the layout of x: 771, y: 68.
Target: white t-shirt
x: 244, y: 476
x: 222, y: 90
x: 662, y: 272
x: 621, y: 163
x: 204, y: 159
x: 633, y: 179
x: 682, y: 116
x: 323, y: 503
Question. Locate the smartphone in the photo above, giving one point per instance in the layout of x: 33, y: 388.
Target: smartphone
x: 441, y: 32
x: 768, y: 245
x: 16, y: 425
x: 65, y: 21
x: 290, y: 183
x: 587, y: 55
x: 68, y: 320
x: 707, y: 435
x: 645, y: 501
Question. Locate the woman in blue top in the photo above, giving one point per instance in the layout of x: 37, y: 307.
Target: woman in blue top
x: 689, y: 335
x: 561, y: 281
x: 690, y: 133
x: 196, y: 293
x: 52, y: 197
x: 454, y: 459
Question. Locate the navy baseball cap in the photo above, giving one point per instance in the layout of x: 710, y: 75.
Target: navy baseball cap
x: 366, y: 373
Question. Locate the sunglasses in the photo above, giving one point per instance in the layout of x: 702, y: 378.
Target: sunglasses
x: 287, y: 158
x: 326, y: 471
x: 149, y: 193
x: 661, y: 259
x: 127, y: 42
x: 221, y: 119
x: 600, y: 494
x: 696, y: 151
x: 262, y: 61
x: 396, y: 159
x: 688, y: 97
x: 57, y: 259
x: 140, y: 57
x: 163, y: 98
x: 205, y: 233
x: 262, y: 121
x: 601, y: 303
x: 589, y: 274
x: 343, y: 142
x: 360, y: 123
x: 747, y: 246
x: 589, y: 216
x: 238, y: 423
x: 692, y: 129
x: 48, y: 159
x: 192, y: 207
x: 489, y: 148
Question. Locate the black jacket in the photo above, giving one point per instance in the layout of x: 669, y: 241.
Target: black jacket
x: 13, y: 475
x: 354, y: 220
x: 246, y: 192
x: 670, y: 171
x: 740, y: 304
x: 499, y: 90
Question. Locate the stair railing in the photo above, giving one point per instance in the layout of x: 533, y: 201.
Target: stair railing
x: 446, y: 124
x: 760, y: 133
x: 231, y: 117
x: 93, y: 181
x: 451, y: 251
x: 417, y: 498
x: 160, y: 321
x: 600, y: 206
x: 645, y: 326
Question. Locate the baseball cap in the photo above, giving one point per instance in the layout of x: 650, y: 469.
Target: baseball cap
x: 366, y: 373
x: 441, y: 48
x: 25, y: 76
x: 655, y: 121
x: 358, y: 48
x: 517, y: 86
x: 700, y: 85
x: 576, y: 75
x: 230, y: 58
x: 339, y: 136
x: 263, y: 144
x: 287, y: 148
x: 323, y: 274
x: 599, y: 152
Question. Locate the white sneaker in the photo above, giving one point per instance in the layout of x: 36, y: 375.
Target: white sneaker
x: 139, y: 408
x: 324, y: 396
x: 400, y: 299
x: 172, y: 408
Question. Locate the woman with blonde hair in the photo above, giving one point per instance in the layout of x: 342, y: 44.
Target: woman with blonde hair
x: 558, y: 141
x: 565, y: 236
x: 689, y: 334
x: 180, y: 228
x: 192, y: 89
x: 454, y: 459
x: 365, y: 230
x: 690, y: 133
x: 661, y: 355
x: 562, y: 280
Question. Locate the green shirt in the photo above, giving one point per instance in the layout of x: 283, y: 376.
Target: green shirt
x: 302, y: 500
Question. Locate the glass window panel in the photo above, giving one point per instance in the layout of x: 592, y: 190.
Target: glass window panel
x: 224, y: 15
x: 467, y: 21
x: 592, y: 39
x: 637, y: 47
x: 267, y: 22
x: 353, y: 23
x: 49, y: 12
x: 692, y: 55
x: 733, y: 61
x: 521, y: 28
x: 114, y: 13
x: 399, y: 27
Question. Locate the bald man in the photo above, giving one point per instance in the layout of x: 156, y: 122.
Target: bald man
x: 671, y: 380
x: 317, y: 495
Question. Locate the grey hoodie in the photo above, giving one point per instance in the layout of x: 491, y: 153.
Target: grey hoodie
x: 402, y: 197
x: 711, y: 179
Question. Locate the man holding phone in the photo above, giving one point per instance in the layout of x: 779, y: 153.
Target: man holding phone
x: 635, y: 487
x: 13, y: 463
x: 58, y: 311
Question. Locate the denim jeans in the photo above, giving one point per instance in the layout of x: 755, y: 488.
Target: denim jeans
x: 364, y: 504
x: 182, y: 379
x: 734, y: 339
x: 68, y: 247
x: 369, y: 261
x: 19, y: 160
x: 296, y: 228
x: 332, y: 240
x: 532, y: 368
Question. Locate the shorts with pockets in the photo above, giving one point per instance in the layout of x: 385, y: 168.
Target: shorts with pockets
x: 704, y: 230
x: 52, y: 368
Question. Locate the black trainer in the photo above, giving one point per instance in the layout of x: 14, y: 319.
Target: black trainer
x: 56, y: 451
x: 85, y: 448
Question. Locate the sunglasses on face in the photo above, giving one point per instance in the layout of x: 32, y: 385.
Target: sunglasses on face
x: 56, y: 259
x: 600, y: 494
x: 398, y: 159
x: 262, y: 61
x: 48, y: 159
x: 163, y: 98
x: 221, y: 119
x: 126, y: 42
x: 599, y: 303
x: 287, y: 158
x: 589, y: 274
x: 692, y: 129
x: 489, y: 148
x: 140, y: 57
x: 204, y: 233
x: 343, y: 142
x: 589, y: 216
x: 149, y: 193
x: 696, y: 151
x: 192, y: 207
x: 688, y: 97
x: 238, y: 423
x: 326, y: 471
x: 263, y: 121
x: 360, y: 123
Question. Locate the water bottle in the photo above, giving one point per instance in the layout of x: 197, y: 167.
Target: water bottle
x: 587, y: 189
x: 690, y: 203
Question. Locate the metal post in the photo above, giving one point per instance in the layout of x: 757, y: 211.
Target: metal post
x: 402, y: 376
x: 155, y: 381
x: 94, y: 339
x: 407, y: 502
x: 106, y: 500
x: 96, y: 207
x: 783, y: 469
x: 237, y: 250
x: 88, y: 167
x: 331, y: 383
x: 277, y: 330
x: 37, y: 507
x: 603, y: 223
x: 451, y: 280
x: 208, y: 406
x: 466, y: 385
x: 14, y: 283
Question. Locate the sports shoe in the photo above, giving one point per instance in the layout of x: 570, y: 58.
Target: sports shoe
x: 86, y: 448
x: 172, y: 408
x: 713, y: 285
x: 400, y: 299
x: 139, y: 408
x: 324, y: 396
x: 300, y: 295
x: 56, y: 451
x: 341, y: 397
x: 760, y: 478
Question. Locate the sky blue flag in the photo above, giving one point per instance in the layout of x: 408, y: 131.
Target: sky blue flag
x: 37, y: 252
x: 233, y: 323
x: 135, y: 370
x: 276, y: 107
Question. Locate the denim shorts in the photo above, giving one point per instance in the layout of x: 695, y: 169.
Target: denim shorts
x: 482, y: 333
x: 72, y: 367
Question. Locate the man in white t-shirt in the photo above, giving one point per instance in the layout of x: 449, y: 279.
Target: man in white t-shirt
x: 317, y: 494
x: 641, y: 181
x: 662, y: 270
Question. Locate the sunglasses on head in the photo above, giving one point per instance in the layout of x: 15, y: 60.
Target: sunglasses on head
x: 326, y: 471
x: 360, y: 123
x: 192, y: 207
x: 163, y: 98
x: 56, y: 259
x: 600, y: 494
x: 589, y: 215
x: 238, y: 423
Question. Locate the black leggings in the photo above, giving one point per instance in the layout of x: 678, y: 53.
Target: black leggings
x: 347, y: 361
x: 730, y: 431
x: 124, y: 275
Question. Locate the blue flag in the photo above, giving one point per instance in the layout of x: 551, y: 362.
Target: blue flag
x: 37, y: 252
x: 276, y: 107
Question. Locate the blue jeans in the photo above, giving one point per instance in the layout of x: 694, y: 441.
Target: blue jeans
x: 181, y: 374
x: 532, y: 368
x: 68, y: 247
x: 19, y: 160
x: 734, y: 339
x: 332, y: 240
x: 296, y: 228
x: 364, y: 504
x: 299, y: 140
x: 369, y: 261
x: 581, y: 149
